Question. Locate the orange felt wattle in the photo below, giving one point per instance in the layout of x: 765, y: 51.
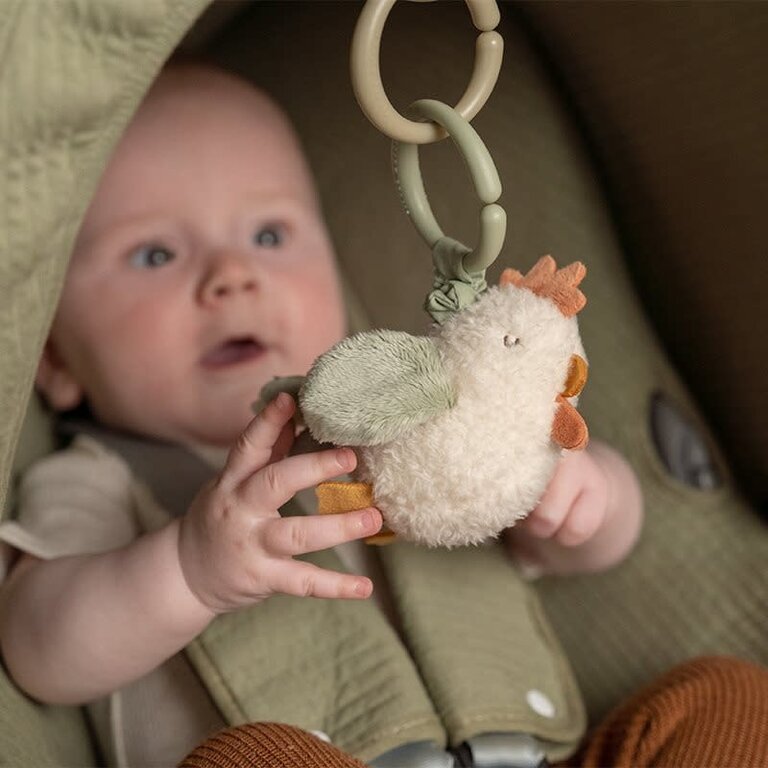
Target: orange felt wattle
x: 569, y: 430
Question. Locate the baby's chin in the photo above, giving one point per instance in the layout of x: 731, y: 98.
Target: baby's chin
x: 224, y: 410
x: 197, y: 415
x: 223, y: 433
x: 217, y: 428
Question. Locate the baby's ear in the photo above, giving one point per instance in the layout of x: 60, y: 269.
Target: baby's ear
x: 55, y: 382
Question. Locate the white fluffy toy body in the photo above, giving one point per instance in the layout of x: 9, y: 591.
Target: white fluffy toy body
x: 457, y: 433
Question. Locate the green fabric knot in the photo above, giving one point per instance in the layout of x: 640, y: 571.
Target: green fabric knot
x: 453, y: 288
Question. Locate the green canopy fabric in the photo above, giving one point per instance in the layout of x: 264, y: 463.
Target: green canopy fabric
x: 71, y: 74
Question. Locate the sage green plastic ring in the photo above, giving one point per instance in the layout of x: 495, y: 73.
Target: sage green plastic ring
x: 485, y: 177
x: 369, y: 88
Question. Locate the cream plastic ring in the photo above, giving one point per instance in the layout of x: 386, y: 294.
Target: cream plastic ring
x: 485, y: 177
x: 369, y: 89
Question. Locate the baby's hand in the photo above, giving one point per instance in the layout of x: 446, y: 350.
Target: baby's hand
x: 573, y: 507
x: 235, y: 549
x: 588, y: 519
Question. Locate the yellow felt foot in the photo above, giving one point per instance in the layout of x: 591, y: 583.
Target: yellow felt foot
x: 333, y: 498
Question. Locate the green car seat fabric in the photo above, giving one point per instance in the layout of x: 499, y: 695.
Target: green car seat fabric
x: 71, y: 73
x: 700, y: 562
x: 673, y: 101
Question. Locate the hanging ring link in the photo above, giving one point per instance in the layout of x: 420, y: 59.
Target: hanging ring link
x: 369, y: 89
x: 485, y: 177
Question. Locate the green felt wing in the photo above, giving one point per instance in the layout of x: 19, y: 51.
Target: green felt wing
x: 373, y: 387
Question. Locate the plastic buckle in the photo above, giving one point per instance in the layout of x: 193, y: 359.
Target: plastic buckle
x: 506, y: 750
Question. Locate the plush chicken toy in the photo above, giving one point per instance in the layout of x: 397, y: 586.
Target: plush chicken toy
x: 457, y: 432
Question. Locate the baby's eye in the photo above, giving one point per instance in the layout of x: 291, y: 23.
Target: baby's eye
x: 510, y: 340
x: 271, y: 236
x: 151, y: 256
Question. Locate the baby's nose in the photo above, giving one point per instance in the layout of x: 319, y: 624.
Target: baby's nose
x: 227, y: 276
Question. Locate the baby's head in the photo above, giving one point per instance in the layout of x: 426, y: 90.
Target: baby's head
x: 202, y: 269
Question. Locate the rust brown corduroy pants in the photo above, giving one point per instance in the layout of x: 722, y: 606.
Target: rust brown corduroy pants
x: 707, y: 713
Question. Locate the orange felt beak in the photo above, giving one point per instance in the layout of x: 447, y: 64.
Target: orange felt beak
x: 576, y: 378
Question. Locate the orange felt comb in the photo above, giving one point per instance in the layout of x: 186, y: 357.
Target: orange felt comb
x: 558, y: 285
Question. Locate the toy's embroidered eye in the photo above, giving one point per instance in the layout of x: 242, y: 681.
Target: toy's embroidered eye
x: 271, y: 236
x: 510, y: 340
x: 151, y: 256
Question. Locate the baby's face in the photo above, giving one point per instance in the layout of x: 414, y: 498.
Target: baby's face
x: 203, y: 269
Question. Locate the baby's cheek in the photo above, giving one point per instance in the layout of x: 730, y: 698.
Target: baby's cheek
x: 323, y: 321
x: 145, y: 327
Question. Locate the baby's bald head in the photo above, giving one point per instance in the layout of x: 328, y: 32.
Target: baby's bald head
x: 202, y: 268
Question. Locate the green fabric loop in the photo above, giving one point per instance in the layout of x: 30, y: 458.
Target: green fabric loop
x: 453, y: 287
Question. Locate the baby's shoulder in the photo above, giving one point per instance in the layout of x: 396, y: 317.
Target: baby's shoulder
x: 85, y: 461
x: 75, y: 501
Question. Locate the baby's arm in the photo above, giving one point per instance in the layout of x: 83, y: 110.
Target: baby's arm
x: 588, y: 519
x: 75, y: 628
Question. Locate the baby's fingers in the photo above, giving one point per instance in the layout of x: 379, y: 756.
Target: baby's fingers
x: 288, y: 536
x: 552, y: 510
x: 273, y: 485
x: 584, y: 518
x: 545, y: 520
x: 293, y: 577
x: 256, y: 443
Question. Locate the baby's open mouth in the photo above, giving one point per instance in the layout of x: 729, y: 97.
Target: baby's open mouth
x: 233, y: 351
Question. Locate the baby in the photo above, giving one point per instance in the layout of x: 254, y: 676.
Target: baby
x: 203, y: 269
